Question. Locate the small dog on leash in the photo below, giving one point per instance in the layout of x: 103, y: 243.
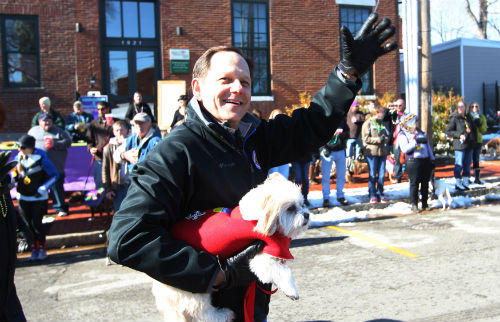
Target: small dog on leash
x: 274, y: 212
x: 441, y: 189
x: 389, y: 166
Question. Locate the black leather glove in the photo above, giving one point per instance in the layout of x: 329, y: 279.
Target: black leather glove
x: 477, y: 121
x: 360, y: 52
x: 5, y: 167
x: 237, y: 268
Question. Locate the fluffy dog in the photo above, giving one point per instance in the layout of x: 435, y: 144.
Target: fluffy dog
x: 440, y: 188
x: 274, y: 212
x: 389, y: 166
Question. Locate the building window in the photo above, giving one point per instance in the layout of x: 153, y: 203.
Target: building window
x: 353, y: 18
x: 251, y: 35
x: 130, y: 19
x: 20, y: 51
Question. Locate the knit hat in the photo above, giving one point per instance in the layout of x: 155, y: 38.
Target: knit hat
x: 141, y: 117
x: 409, y: 120
x: 44, y: 116
x: 26, y: 141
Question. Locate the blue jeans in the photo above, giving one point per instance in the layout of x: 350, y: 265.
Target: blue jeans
x: 120, y: 194
x: 283, y: 169
x: 326, y: 166
x: 98, y: 174
x: 301, y: 176
x: 353, y: 145
x: 376, y: 166
x: 463, y: 159
x: 57, y: 194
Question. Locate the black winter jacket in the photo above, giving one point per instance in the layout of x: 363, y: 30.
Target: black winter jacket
x: 458, y: 125
x: 200, y: 166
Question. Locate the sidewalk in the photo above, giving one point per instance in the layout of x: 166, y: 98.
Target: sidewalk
x: 77, y: 230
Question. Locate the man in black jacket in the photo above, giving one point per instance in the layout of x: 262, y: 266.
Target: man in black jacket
x: 216, y: 156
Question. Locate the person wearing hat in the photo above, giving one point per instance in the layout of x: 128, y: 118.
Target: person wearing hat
x: 55, y: 142
x: 140, y: 143
x: 34, y: 174
x: 45, y: 107
x: 180, y: 113
x: 419, y: 159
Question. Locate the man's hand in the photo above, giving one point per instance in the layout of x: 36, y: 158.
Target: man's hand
x: 236, y: 269
x: 131, y: 156
x: 5, y: 167
x: 93, y: 151
x: 360, y: 52
x: 110, y: 195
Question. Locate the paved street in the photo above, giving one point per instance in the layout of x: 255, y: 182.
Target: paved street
x: 437, y: 266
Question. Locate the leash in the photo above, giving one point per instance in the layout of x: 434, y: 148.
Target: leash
x: 93, y: 158
x: 249, y: 301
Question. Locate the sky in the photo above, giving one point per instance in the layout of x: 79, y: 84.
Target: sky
x: 456, y: 22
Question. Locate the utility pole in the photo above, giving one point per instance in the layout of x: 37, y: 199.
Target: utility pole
x: 426, y: 70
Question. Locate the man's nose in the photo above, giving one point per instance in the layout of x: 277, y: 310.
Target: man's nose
x: 236, y: 86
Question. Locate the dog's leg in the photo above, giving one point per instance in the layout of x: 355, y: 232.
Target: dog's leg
x: 271, y: 270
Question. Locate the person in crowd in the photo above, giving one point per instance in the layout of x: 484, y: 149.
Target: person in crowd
x: 217, y: 156
x: 375, y: 138
x: 35, y: 174
x: 78, y: 122
x: 138, y: 106
x: 355, y: 119
x: 283, y: 169
x: 11, y: 309
x: 55, y: 142
x: 301, y: 169
x: 419, y: 159
x: 400, y: 108
x: 334, y: 151
x: 45, y: 107
x: 139, y: 144
x: 463, y: 131
x: 115, y: 175
x: 481, y: 126
x: 180, y: 113
x: 98, y: 134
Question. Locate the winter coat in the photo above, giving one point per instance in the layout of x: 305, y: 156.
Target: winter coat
x: 375, y: 137
x: 75, y: 118
x: 133, y: 109
x: 200, y: 166
x: 144, y: 145
x: 355, y: 127
x: 56, y: 118
x: 459, y: 123
x: 481, y: 126
x: 61, y: 141
x: 338, y: 141
x: 112, y: 174
x: 98, y: 135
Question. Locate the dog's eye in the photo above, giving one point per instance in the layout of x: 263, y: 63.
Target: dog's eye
x: 292, y: 208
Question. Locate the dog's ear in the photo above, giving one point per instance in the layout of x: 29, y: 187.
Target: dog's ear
x: 266, y: 224
x: 275, y: 176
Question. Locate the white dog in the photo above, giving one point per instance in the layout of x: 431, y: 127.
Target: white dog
x: 274, y: 212
x: 441, y: 189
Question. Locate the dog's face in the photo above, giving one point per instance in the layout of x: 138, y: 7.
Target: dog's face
x: 278, y: 206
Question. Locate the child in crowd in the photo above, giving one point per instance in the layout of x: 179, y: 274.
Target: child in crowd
x: 34, y: 175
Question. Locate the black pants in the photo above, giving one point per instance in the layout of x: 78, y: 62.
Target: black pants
x: 419, y: 172
x: 34, y: 211
x: 398, y: 167
x: 476, y: 152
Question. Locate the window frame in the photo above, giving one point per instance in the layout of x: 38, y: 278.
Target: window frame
x: 6, y: 52
x: 267, y: 91
x: 367, y: 79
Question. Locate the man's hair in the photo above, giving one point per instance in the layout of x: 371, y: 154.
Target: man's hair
x: 202, y: 65
x: 45, y: 100
x: 103, y: 104
x: 77, y: 104
x: 121, y: 123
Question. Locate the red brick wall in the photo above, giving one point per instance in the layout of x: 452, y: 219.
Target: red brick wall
x: 304, y: 48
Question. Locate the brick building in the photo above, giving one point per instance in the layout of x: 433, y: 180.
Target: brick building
x: 59, y: 48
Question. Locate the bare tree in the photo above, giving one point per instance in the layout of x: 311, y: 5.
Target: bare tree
x: 481, y: 21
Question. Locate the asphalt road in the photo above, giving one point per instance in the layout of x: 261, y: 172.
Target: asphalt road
x: 437, y: 266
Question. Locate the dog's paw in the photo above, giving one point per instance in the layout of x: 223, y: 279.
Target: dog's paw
x: 293, y: 297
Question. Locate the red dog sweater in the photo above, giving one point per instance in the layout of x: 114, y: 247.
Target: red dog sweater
x: 224, y: 232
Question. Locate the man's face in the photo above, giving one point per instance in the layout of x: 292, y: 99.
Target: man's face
x: 142, y: 128
x: 46, y: 124
x: 119, y: 132
x: 137, y: 98
x: 25, y: 151
x: 102, y: 111
x: 78, y: 109
x: 400, y: 105
x: 44, y: 107
x: 226, y: 89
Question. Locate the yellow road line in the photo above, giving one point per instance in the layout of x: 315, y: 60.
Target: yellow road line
x: 376, y: 242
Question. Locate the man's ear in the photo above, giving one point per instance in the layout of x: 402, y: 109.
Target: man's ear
x: 195, y: 85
